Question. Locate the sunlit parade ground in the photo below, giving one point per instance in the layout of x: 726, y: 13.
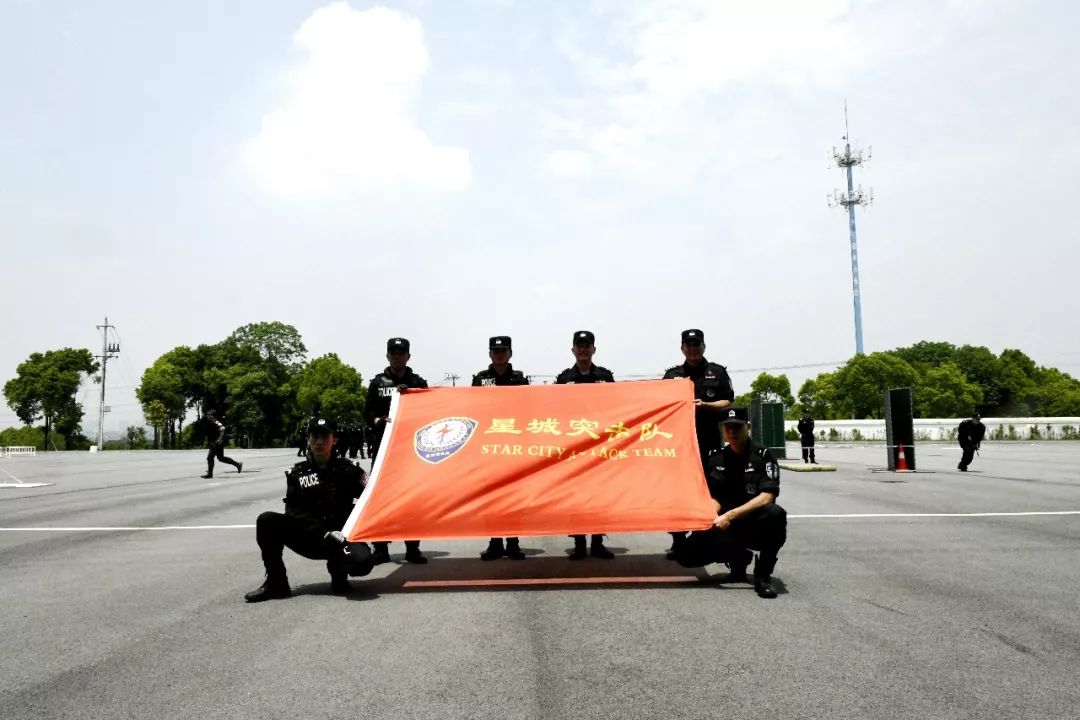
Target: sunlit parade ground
x: 928, y: 595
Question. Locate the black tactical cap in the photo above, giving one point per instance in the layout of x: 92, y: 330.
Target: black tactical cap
x: 397, y: 343
x: 693, y: 335
x: 735, y: 416
x: 499, y: 342
x: 584, y: 337
x: 319, y: 425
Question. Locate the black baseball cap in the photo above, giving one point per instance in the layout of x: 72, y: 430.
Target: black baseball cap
x: 397, y: 343
x: 693, y: 335
x: 735, y: 416
x: 500, y: 342
x: 584, y: 337
x: 319, y: 425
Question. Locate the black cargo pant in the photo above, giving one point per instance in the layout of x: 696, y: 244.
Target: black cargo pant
x: 969, y: 455
x: 275, y: 531
x: 764, y: 531
x: 217, y: 450
x: 807, y: 448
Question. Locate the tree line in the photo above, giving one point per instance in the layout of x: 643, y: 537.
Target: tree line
x: 261, y: 381
x: 948, y: 381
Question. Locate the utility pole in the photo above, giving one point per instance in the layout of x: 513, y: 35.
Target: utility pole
x: 453, y: 378
x: 107, y: 351
x: 846, y: 160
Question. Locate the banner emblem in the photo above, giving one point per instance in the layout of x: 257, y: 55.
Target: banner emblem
x: 439, y: 440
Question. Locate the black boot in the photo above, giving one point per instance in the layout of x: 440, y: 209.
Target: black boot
x: 207, y: 476
x: 339, y: 584
x: 413, y: 554
x: 381, y: 553
x: 737, y: 567
x: 763, y: 586
x: 580, y: 550
x: 678, y: 541
x: 598, y: 550
x: 763, y: 570
x: 273, y: 588
x: 513, y: 549
x: 495, y: 550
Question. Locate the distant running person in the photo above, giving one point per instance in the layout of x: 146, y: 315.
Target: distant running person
x: 970, y: 434
x: 216, y: 445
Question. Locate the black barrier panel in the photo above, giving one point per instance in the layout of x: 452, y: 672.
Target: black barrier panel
x: 900, y: 427
x: 767, y: 426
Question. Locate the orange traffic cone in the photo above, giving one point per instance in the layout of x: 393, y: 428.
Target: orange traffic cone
x: 901, y: 461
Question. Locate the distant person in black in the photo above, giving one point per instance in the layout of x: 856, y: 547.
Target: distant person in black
x: 583, y: 348
x: 396, y: 377
x: 970, y: 434
x: 216, y: 445
x: 744, y: 480
x: 500, y: 372
x: 301, y: 440
x: 806, y: 438
x: 319, y: 496
x: 712, y: 393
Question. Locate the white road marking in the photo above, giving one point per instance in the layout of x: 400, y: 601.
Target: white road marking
x: 839, y: 516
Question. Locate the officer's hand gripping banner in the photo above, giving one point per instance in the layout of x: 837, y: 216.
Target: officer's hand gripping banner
x: 536, y: 460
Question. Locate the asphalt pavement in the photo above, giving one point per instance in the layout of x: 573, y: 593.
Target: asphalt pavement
x: 902, y: 596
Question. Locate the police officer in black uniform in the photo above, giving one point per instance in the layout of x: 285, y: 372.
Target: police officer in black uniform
x: 744, y: 480
x: 712, y: 392
x: 970, y: 433
x: 500, y: 372
x: 319, y: 496
x: 396, y: 377
x: 806, y: 438
x: 583, y: 348
x: 216, y: 445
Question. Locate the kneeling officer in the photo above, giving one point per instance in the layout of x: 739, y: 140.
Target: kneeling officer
x: 320, y: 494
x: 744, y: 480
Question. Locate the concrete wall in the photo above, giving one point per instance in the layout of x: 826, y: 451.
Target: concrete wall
x: 945, y: 428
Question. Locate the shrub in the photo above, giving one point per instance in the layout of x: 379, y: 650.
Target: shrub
x: 791, y: 434
x: 998, y: 434
x: 856, y: 435
x: 1012, y: 434
x: 1068, y: 432
x: 834, y: 435
x: 1034, y: 434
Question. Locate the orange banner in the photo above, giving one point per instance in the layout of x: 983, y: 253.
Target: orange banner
x: 536, y: 460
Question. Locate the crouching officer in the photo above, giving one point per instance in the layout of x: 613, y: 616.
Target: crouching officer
x: 320, y: 494
x: 744, y: 480
x: 499, y: 373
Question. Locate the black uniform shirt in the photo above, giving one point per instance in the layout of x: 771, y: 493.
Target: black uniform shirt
x: 711, y: 383
x: 382, y: 389
x: 735, y: 479
x: 971, y: 433
x: 323, y: 496
x: 490, y: 377
x: 217, y: 432
x: 573, y: 376
x: 806, y: 427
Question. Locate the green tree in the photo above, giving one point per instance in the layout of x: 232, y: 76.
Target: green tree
x: 943, y: 391
x: 274, y: 341
x: 156, y: 415
x: 329, y: 386
x: 927, y: 353
x: 772, y: 388
x: 1018, y: 383
x: 861, y: 383
x: 163, y: 383
x: 818, y: 397
x: 983, y: 368
x: 44, y: 387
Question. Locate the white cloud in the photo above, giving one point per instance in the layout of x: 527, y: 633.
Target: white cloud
x: 569, y: 163
x: 346, y: 125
